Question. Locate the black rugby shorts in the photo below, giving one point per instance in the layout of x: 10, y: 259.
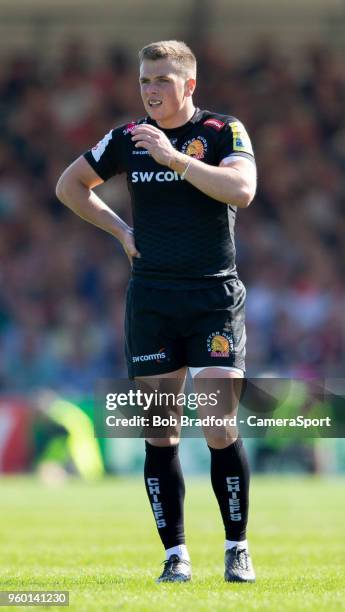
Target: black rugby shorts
x: 166, y: 329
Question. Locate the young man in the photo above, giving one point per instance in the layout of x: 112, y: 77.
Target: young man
x: 188, y: 170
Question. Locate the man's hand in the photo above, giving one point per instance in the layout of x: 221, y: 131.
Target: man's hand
x: 128, y: 244
x: 155, y: 141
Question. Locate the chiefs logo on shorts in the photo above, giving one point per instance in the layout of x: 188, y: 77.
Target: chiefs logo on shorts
x: 196, y: 147
x: 219, y: 345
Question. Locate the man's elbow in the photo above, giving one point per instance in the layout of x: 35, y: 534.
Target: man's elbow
x: 66, y: 188
x: 244, y: 198
x: 60, y: 190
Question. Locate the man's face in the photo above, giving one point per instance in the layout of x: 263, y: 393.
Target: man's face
x: 164, y: 89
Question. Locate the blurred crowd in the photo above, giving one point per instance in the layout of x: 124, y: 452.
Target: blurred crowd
x: 63, y: 281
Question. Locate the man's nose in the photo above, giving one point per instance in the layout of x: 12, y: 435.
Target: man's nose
x: 152, y: 90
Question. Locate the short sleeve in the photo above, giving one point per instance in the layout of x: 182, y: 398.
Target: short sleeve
x: 106, y: 157
x: 234, y: 141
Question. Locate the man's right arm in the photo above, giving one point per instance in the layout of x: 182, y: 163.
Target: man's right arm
x: 74, y: 189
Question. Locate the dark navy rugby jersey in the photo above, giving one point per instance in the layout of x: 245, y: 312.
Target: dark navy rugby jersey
x: 185, y: 237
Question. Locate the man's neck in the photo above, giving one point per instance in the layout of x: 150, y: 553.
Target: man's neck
x: 178, y: 120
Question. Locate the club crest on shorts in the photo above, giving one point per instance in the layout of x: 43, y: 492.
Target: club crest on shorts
x: 196, y: 147
x: 220, y: 345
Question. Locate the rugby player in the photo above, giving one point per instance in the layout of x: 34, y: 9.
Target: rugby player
x: 188, y: 170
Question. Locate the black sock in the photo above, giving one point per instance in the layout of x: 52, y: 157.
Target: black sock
x: 165, y: 489
x: 230, y: 482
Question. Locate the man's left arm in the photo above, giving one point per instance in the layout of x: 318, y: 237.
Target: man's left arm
x: 232, y: 182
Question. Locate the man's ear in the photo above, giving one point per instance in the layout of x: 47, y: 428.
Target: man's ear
x: 189, y: 87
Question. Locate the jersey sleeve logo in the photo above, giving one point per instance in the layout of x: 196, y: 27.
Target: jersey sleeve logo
x: 240, y: 138
x: 98, y: 150
x: 129, y: 128
x: 215, y: 123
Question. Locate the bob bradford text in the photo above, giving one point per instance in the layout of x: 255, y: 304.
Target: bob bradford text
x: 212, y: 421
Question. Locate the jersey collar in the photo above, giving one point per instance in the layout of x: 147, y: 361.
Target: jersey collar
x: 178, y: 130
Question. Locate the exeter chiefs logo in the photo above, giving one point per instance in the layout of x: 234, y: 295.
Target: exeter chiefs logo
x: 197, y: 147
x: 220, y: 345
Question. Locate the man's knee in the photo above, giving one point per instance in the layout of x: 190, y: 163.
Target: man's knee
x: 163, y: 442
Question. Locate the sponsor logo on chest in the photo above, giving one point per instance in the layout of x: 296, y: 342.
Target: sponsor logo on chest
x: 145, y: 151
x: 159, y: 177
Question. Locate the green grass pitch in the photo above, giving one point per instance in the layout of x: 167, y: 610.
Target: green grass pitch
x: 98, y: 541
